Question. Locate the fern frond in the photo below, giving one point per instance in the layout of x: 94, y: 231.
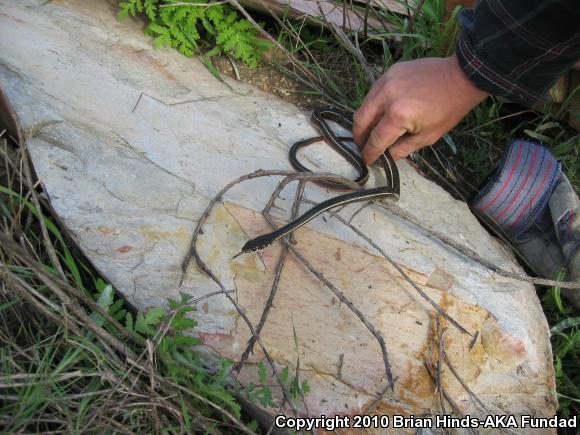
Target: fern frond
x: 180, y: 26
x: 150, y: 7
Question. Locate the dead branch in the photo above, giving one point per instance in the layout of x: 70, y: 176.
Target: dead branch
x: 193, y: 253
x: 277, y: 276
x: 347, y: 302
x: 462, y: 382
x: 440, y: 331
x: 318, y: 274
x: 432, y: 371
x: 399, y: 269
x: 472, y: 255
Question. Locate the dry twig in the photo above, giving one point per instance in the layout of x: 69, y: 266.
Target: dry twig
x: 399, y: 269
x: 277, y: 276
x: 289, y: 176
x: 472, y: 255
x: 326, y: 282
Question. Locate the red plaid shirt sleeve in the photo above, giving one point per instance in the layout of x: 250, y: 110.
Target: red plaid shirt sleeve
x: 519, y: 48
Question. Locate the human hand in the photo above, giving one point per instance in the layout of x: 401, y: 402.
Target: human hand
x: 412, y: 105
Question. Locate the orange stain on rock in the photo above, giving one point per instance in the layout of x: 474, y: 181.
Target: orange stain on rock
x: 108, y: 230
x: 154, y: 233
x: 326, y: 328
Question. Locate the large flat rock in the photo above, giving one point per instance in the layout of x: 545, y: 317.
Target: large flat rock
x: 132, y: 143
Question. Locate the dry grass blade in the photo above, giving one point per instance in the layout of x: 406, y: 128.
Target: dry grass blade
x: 355, y: 51
x: 451, y: 186
x: 410, y: 25
x: 47, y: 241
x: 168, y: 388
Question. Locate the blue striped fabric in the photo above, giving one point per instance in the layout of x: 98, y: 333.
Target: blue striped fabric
x: 516, y: 197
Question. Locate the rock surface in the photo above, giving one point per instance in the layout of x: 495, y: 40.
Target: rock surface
x: 132, y: 143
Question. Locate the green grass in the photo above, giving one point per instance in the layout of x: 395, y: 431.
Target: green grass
x: 565, y: 337
x: 76, y: 358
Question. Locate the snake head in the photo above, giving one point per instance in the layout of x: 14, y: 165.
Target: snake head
x: 257, y: 243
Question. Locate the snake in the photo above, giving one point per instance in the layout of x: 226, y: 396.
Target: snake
x: 390, y: 190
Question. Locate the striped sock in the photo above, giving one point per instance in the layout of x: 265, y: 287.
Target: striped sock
x: 516, y: 197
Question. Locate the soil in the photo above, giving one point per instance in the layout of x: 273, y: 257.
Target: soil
x: 268, y: 79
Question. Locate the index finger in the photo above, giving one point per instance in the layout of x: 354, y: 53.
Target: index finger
x: 383, y: 135
x: 366, y: 117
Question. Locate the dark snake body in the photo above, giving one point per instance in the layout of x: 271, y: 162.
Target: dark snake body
x: 391, y: 189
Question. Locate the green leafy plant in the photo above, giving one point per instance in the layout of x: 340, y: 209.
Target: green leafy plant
x: 184, y: 26
x: 179, y: 360
x: 262, y: 393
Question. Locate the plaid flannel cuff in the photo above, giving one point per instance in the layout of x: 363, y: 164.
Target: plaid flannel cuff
x: 484, y: 74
